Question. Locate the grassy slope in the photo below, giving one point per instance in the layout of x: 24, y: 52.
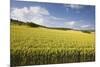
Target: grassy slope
x: 51, y: 42
x: 20, y: 33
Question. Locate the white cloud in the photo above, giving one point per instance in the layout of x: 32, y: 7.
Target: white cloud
x: 36, y: 14
x: 85, y: 26
x: 70, y: 24
x: 74, y: 6
x: 38, y: 10
x: 29, y: 14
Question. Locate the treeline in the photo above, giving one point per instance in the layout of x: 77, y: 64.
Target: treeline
x: 17, y: 22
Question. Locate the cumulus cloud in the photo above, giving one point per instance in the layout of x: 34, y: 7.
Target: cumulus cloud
x: 36, y: 14
x: 38, y: 10
x: 70, y: 24
x: 29, y: 14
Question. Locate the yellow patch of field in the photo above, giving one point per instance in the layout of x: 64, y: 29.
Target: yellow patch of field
x: 36, y: 45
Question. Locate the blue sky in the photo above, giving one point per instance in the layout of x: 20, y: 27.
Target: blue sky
x: 54, y: 15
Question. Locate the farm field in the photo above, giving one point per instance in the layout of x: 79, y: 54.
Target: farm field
x: 35, y: 46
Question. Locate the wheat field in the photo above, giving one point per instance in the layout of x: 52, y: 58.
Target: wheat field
x: 34, y: 46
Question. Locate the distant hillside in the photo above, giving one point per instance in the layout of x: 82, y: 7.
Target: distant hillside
x: 31, y: 24
x: 36, y: 25
x: 23, y: 23
x: 87, y: 31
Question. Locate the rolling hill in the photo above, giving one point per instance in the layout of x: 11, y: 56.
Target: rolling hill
x: 31, y: 24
